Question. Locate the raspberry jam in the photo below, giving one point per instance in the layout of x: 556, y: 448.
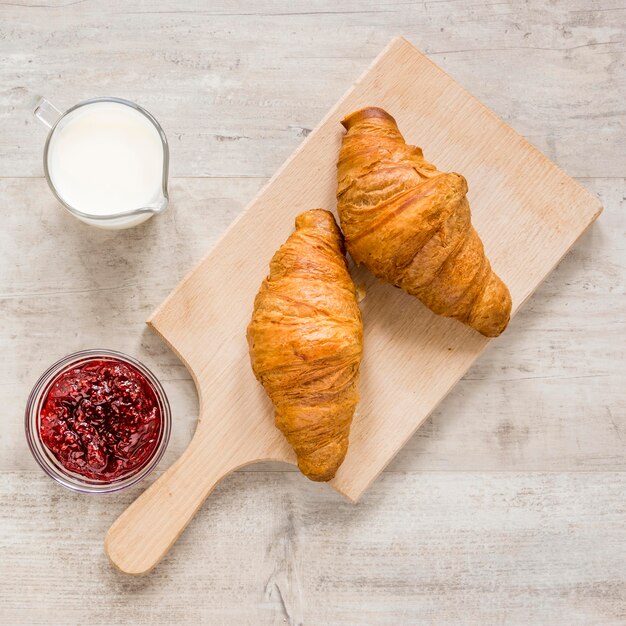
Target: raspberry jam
x: 101, y: 419
x: 97, y: 421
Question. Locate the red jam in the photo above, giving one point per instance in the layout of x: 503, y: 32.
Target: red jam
x: 101, y: 419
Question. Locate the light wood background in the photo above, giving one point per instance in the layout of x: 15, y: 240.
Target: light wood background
x: 507, y: 507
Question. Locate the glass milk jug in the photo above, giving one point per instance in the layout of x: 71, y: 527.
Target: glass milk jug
x: 106, y: 161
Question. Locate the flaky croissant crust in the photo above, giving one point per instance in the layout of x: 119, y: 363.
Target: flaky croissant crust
x: 410, y: 224
x: 305, y: 341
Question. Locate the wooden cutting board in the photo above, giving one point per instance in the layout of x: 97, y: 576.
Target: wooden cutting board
x: 527, y: 211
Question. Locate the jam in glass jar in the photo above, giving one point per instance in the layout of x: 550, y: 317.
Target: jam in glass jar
x: 97, y: 421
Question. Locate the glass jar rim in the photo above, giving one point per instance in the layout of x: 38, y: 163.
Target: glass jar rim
x: 48, y: 462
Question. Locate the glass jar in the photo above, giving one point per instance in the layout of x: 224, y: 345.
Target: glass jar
x: 45, y: 457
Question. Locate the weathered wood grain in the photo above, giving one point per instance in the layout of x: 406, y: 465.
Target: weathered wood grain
x: 514, y: 514
x: 464, y: 548
x: 225, y: 78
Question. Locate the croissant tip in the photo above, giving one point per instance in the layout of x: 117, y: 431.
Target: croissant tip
x: 320, y: 478
x: 314, y: 217
x: 318, y: 474
x: 365, y: 114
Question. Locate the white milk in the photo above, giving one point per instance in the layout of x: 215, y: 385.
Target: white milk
x: 106, y: 158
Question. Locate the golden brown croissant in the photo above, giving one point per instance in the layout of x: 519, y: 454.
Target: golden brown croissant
x: 306, y: 339
x: 410, y: 224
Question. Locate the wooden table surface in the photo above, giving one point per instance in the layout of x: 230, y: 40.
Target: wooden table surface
x: 507, y: 507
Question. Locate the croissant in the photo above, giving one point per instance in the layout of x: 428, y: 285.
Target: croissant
x: 410, y: 224
x: 305, y: 341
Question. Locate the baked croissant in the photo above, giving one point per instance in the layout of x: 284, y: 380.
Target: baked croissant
x: 305, y: 341
x: 410, y: 224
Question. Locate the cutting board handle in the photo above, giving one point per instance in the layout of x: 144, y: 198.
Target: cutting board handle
x: 143, y: 534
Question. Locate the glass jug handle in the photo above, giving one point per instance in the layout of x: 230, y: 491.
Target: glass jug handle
x: 46, y: 113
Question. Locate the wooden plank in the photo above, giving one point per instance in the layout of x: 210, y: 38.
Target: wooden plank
x: 426, y: 548
x: 547, y: 396
x: 225, y: 80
